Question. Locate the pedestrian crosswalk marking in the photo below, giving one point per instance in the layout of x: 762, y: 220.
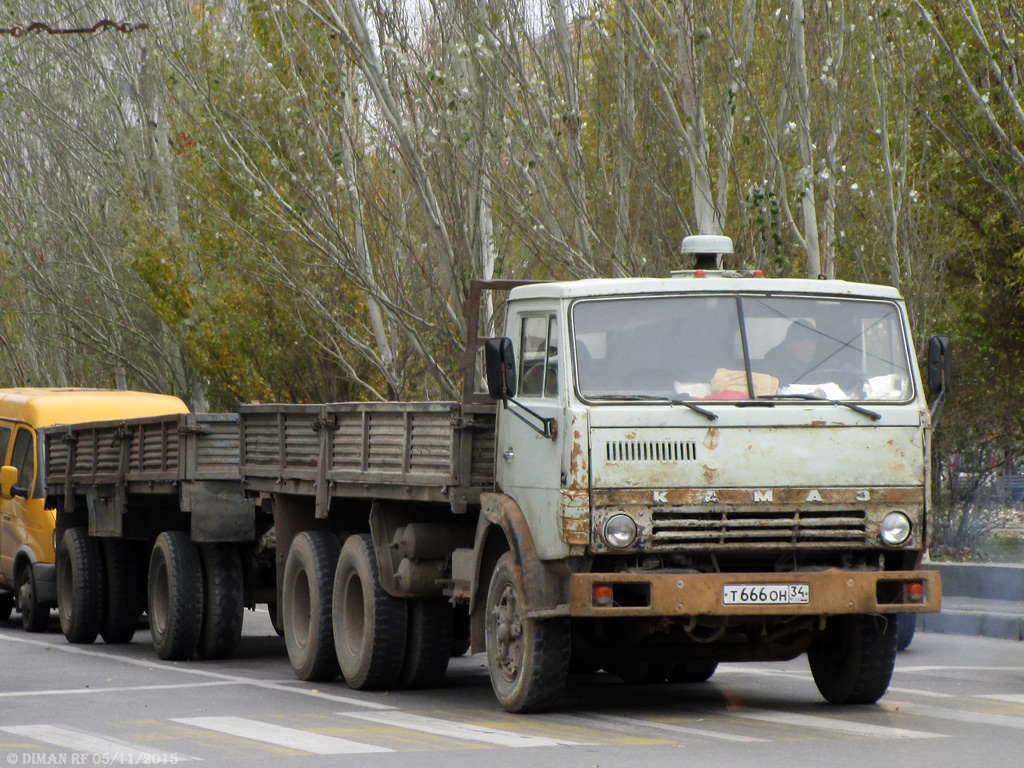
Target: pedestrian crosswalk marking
x: 457, y: 730
x: 110, y: 751
x: 834, y: 724
x: 631, y: 724
x: 281, y: 736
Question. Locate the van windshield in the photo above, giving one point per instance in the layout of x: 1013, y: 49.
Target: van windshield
x: 708, y: 347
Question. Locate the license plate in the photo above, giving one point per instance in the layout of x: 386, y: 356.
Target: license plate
x: 766, y: 594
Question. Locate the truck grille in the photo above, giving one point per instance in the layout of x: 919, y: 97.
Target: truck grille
x: 756, y: 528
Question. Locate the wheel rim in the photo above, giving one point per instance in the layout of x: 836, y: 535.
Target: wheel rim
x: 354, y: 613
x: 161, y: 600
x: 300, y: 614
x: 508, y: 634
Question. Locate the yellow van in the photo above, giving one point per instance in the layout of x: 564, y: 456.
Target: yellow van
x: 27, y: 580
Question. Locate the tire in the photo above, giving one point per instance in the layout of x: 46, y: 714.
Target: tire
x: 123, y: 591
x: 853, y: 658
x: 906, y: 626
x: 369, y: 624
x: 693, y: 672
x: 275, y: 622
x: 35, y: 615
x: 527, y: 659
x: 223, y: 601
x: 428, y: 644
x: 306, y: 605
x: 80, y: 585
x: 6, y: 605
x: 175, y: 596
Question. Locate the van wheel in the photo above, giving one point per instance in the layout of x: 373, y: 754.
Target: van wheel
x: 223, y: 603
x: 6, y: 605
x: 35, y: 616
x: 79, y: 585
x: 428, y: 644
x: 306, y: 604
x: 528, y: 659
x: 175, y: 596
x: 123, y: 591
x: 693, y: 672
x: 853, y: 658
x: 369, y: 624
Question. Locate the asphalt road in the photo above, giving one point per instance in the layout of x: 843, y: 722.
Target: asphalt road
x: 953, y: 701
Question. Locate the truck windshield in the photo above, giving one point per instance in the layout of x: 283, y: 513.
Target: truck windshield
x: 706, y: 347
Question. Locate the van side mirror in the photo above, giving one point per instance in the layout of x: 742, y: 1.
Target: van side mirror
x: 500, y: 364
x: 940, y: 365
x: 8, y: 479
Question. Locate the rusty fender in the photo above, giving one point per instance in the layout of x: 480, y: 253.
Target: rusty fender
x: 543, y: 586
x: 831, y: 593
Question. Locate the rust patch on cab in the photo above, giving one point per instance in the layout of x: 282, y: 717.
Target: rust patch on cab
x: 712, y: 439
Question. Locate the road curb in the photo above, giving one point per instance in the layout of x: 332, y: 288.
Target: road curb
x: 981, y: 599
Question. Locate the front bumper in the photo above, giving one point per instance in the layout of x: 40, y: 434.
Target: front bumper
x: 832, y: 592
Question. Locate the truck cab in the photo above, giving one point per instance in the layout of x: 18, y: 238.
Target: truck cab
x: 730, y: 467
x: 27, y: 580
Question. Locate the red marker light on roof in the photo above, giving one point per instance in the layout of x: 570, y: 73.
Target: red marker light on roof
x: 758, y: 273
x: 699, y: 273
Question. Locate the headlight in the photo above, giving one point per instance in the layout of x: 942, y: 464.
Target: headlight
x: 896, y: 528
x: 620, y: 531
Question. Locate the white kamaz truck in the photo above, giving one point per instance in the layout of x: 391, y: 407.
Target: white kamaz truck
x: 664, y: 474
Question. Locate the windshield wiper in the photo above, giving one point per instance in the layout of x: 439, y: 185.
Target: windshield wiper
x: 710, y: 415
x: 874, y: 415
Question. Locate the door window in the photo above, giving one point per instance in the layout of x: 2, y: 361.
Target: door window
x: 538, y: 365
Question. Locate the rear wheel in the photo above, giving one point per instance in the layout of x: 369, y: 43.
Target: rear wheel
x: 35, y: 615
x: 428, y: 645
x: 223, y: 601
x: 853, y: 658
x: 79, y: 585
x: 528, y: 659
x: 306, y: 605
x: 175, y: 596
x: 123, y: 591
x: 369, y: 624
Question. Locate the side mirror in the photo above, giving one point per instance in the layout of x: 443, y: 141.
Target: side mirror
x: 8, y: 479
x: 940, y: 364
x: 500, y: 362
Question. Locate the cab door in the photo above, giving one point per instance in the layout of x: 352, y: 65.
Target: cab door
x: 8, y: 536
x: 529, y: 465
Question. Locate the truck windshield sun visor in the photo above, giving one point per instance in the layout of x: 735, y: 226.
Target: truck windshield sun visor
x: 695, y: 348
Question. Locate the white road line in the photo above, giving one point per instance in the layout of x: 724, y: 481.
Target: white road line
x: 834, y: 724
x: 1012, y: 698
x: 937, y: 668
x: 122, y: 689
x: 920, y: 692
x: 109, y: 751
x: 186, y: 669
x: 631, y: 724
x: 456, y: 730
x: 279, y: 735
x: 956, y: 715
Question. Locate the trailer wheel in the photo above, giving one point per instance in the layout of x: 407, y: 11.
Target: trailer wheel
x: 79, y: 585
x: 175, y: 596
x: 853, y: 658
x: 692, y: 672
x: 528, y: 659
x: 223, y: 601
x: 306, y: 604
x: 35, y: 615
x: 123, y: 591
x: 369, y: 624
x: 428, y: 644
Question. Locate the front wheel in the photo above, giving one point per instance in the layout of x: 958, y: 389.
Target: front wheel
x: 853, y: 658
x: 35, y: 615
x: 906, y: 626
x: 528, y: 659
